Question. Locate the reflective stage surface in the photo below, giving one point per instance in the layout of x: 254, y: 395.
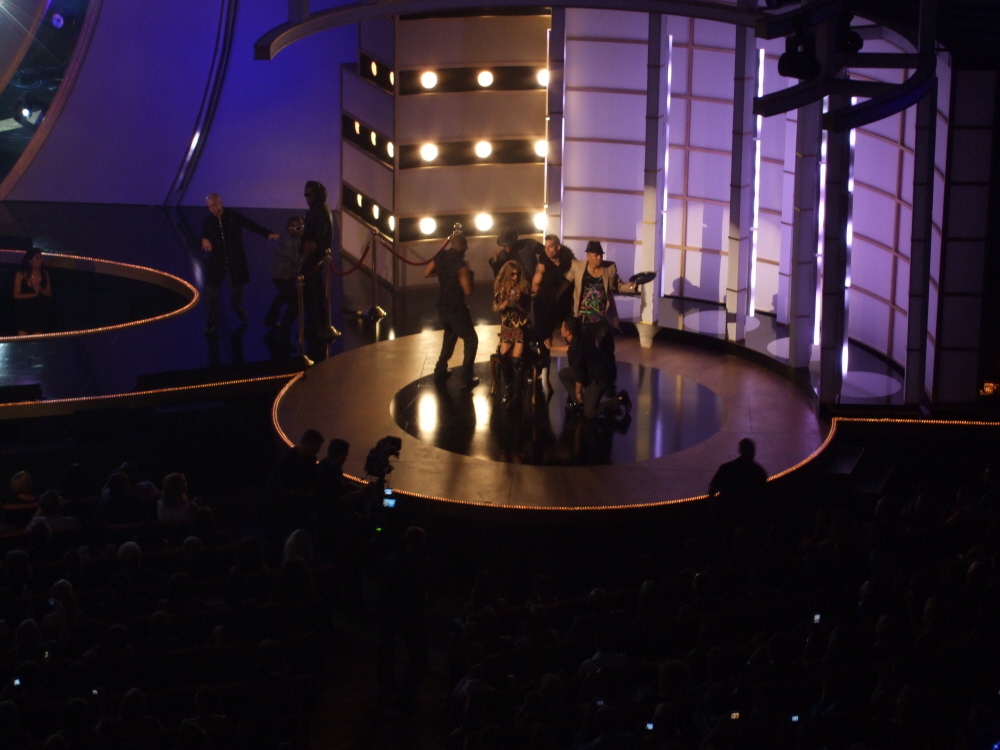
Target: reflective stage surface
x: 691, y: 407
x: 676, y: 413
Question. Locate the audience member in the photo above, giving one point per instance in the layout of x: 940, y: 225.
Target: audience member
x: 49, y: 511
x: 290, y: 489
x: 173, y: 505
x: 21, y: 489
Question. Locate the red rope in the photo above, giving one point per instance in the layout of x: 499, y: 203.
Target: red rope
x: 413, y: 262
x: 354, y: 268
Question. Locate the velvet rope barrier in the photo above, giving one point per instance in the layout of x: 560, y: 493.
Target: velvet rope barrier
x: 389, y: 247
x: 354, y: 268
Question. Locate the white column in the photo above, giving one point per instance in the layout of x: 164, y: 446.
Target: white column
x: 805, y: 234
x: 554, y: 122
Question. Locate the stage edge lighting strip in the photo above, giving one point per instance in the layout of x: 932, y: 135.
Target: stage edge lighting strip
x: 117, y: 326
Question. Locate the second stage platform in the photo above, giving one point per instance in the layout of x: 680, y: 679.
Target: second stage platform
x: 691, y: 407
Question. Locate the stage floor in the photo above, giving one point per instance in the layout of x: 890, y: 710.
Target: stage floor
x: 691, y: 407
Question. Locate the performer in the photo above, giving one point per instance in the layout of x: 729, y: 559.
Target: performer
x: 594, y: 284
x: 455, y: 280
x: 589, y: 373
x: 32, y: 290
x: 551, y: 290
x: 509, y: 247
x: 321, y: 227
x: 222, y: 239
x: 512, y: 300
x: 284, y: 270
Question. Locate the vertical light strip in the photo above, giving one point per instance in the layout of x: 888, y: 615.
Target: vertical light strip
x: 545, y: 166
x: 756, y: 188
x: 820, y: 234
x: 848, y: 242
x: 666, y: 161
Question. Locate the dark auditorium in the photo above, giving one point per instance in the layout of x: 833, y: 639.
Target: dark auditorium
x: 481, y: 375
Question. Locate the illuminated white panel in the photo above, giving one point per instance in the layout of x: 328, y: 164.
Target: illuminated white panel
x: 705, y: 276
x: 606, y: 116
x: 606, y: 65
x: 905, y: 230
x: 680, y: 61
x: 712, y: 74
x: 902, y: 298
x: 714, y: 34
x: 604, y: 23
x: 869, y: 321
x: 769, y: 238
x: 871, y: 268
x: 766, y: 288
x: 873, y: 215
x: 674, y: 219
x: 679, y: 27
x: 772, y: 138
x: 672, y: 268
x: 707, y: 225
x: 876, y: 162
x: 898, y: 336
x: 587, y: 214
x: 712, y: 127
x: 772, y: 177
x: 888, y: 127
x: 678, y: 123
x: 610, y: 165
x: 708, y: 175
x: 675, y: 175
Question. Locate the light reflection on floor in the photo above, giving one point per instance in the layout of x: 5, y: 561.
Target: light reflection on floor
x: 670, y: 413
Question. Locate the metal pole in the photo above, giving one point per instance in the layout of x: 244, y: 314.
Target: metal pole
x: 374, y: 312
x: 299, y: 284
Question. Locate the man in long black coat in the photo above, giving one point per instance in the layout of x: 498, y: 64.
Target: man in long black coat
x: 222, y: 239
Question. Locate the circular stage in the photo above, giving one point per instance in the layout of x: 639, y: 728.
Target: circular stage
x: 691, y: 407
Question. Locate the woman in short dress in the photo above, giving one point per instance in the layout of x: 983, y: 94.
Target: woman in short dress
x: 512, y: 299
x: 32, y: 289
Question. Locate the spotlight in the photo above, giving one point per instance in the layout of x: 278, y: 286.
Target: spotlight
x: 429, y: 80
x: 542, y: 148
x: 799, y: 60
x: 485, y: 79
x: 543, y: 77
x: 357, y: 128
x: 392, y: 78
x: 483, y: 149
x: 427, y: 225
x: 375, y: 210
x: 374, y: 140
x: 392, y: 223
x: 374, y: 68
x: 540, y: 221
x: 26, y: 113
x: 359, y: 199
x: 428, y: 152
x: 483, y: 222
x: 390, y: 149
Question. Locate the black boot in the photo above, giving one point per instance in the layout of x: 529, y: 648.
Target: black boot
x: 517, y: 380
x: 507, y: 379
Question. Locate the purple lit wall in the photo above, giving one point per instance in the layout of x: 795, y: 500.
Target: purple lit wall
x: 131, y: 115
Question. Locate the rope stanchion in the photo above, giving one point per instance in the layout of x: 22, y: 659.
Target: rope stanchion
x: 299, y: 284
x: 374, y: 312
x: 353, y: 268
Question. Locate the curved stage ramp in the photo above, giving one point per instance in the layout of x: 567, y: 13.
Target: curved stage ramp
x: 691, y: 407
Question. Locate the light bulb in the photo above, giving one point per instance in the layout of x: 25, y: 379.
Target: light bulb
x: 428, y: 152
x: 390, y: 149
x: 541, y: 148
x: 374, y: 139
x: 484, y: 149
x: 374, y: 68
x: 543, y: 77
x: 540, y: 221
x: 392, y: 78
x: 392, y: 223
x: 427, y: 225
x: 483, y: 222
x: 485, y: 79
x: 357, y: 128
x: 375, y: 210
x: 429, y: 80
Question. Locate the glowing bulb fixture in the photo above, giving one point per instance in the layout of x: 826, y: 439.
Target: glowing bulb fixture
x: 392, y: 78
x: 543, y: 77
x: 540, y: 221
x: 483, y: 222
x: 392, y: 223
x: 485, y: 79
x: 357, y: 128
x: 429, y: 80
x: 542, y: 148
x: 428, y: 152
x: 359, y: 199
x: 484, y: 149
x: 427, y: 225
x: 375, y: 140
x: 375, y: 210
x: 390, y: 149
x: 374, y: 68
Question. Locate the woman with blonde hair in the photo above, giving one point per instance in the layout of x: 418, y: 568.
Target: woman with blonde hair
x: 512, y: 299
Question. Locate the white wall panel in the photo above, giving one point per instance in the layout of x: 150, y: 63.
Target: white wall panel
x: 476, y: 187
x: 680, y: 62
x: 707, y: 225
x: 601, y: 215
x: 610, y: 165
x: 680, y: 29
x: 712, y: 126
x: 438, y: 42
x: 712, y: 73
x: 899, y: 323
x: 605, y: 23
x: 871, y: 268
x: 876, y: 163
x: 674, y: 221
x: 873, y: 214
x: 606, y: 116
x: 371, y: 177
x: 672, y: 269
x: 678, y: 122
x: 704, y: 276
x: 905, y: 230
x: 708, y: 175
x: 772, y: 177
x: 613, y: 65
x: 869, y: 321
x: 772, y: 138
x: 675, y: 172
x: 714, y: 34
x: 769, y: 237
x: 902, y: 298
x: 497, y: 114
x: 367, y: 101
x: 766, y: 289
x: 887, y: 127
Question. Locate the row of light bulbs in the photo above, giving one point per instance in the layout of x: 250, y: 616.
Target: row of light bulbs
x: 392, y: 76
x: 429, y: 78
x: 483, y: 222
x: 429, y: 151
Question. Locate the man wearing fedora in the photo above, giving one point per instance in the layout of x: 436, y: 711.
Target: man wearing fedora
x: 595, y: 282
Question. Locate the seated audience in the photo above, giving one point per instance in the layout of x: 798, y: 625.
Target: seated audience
x: 173, y: 505
x: 50, y: 511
